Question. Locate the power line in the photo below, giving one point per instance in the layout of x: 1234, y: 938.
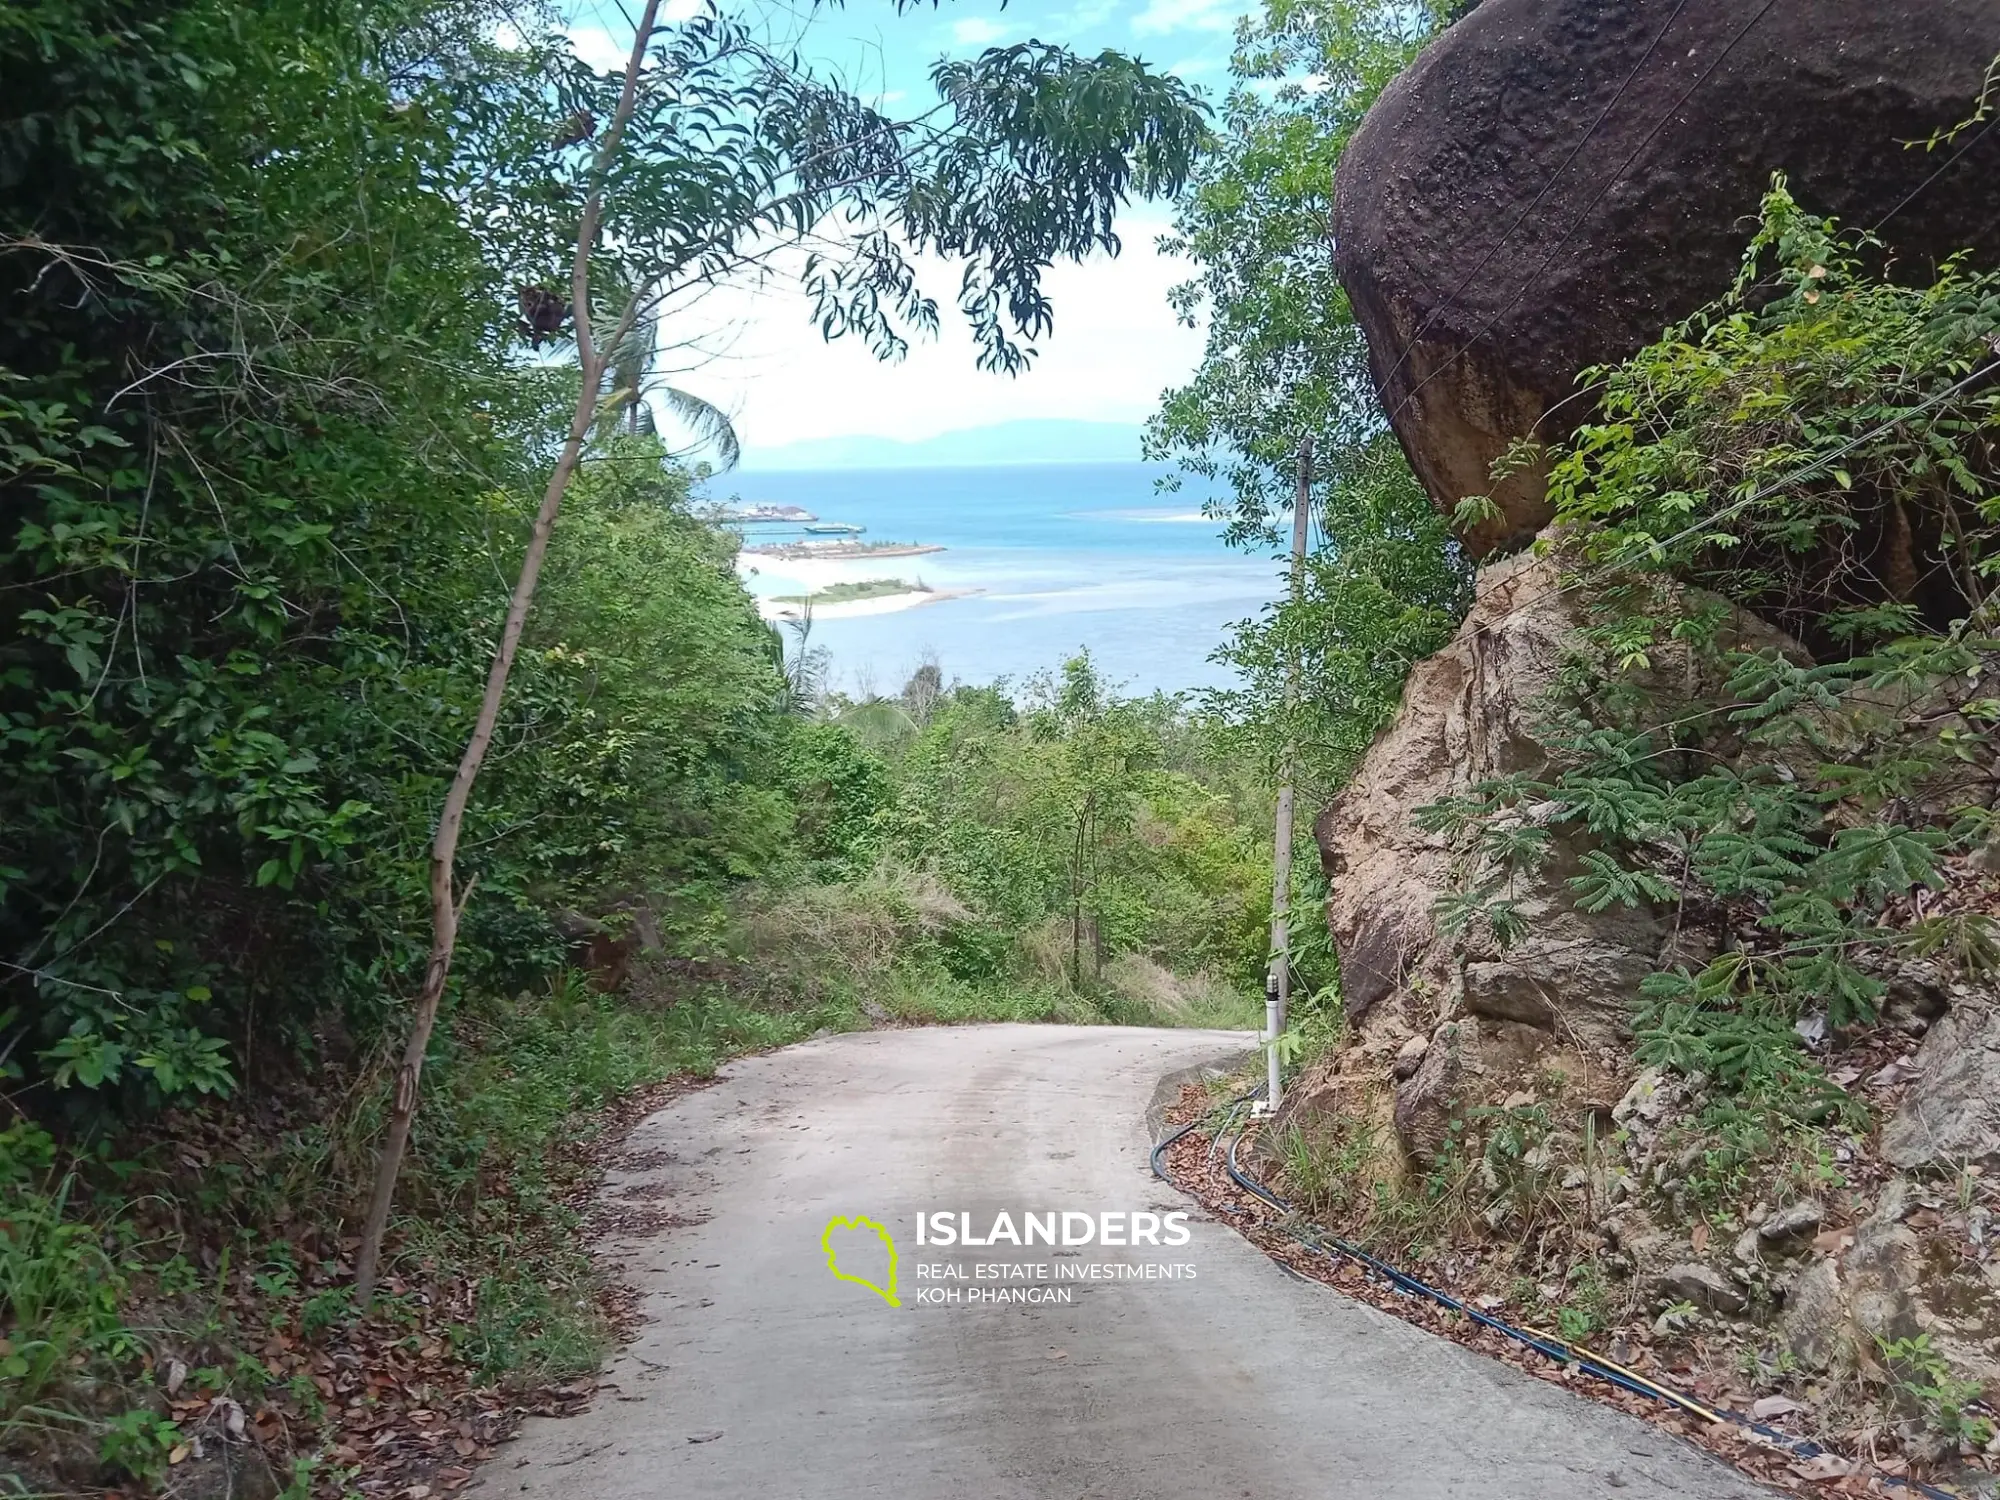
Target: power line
x: 1919, y: 189
x: 1547, y: 187
x: 1611, y: 182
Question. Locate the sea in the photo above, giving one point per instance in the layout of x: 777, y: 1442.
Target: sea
x: 1044, y: 561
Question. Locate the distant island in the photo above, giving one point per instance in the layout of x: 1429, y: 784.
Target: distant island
x: 848, y: 593
x: 1045, y: 441
x: 767, y: 512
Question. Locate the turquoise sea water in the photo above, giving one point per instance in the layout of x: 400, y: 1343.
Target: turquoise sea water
x: 1065, y: 556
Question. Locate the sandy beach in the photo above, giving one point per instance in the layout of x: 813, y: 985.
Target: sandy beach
x: 848, y: 609
x: 810, y: 575
x: 848, y: 551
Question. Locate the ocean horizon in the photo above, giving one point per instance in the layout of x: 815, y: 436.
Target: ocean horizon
x: 1043, y: 560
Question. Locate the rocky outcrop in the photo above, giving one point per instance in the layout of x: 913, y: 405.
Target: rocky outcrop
x: 1951, y: 1115
x: 1561, y: 997
x: 1554, y: 181
x: 1883, y: 1282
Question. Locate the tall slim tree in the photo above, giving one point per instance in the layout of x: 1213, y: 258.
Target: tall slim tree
x: 1284, y: 371
x: 717, y: 156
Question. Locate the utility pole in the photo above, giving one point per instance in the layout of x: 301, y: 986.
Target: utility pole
x: 1278, y: 982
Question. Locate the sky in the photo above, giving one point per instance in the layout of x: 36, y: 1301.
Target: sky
x: 1116, y: 346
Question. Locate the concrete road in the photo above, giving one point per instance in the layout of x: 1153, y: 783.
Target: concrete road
x: 761, y: 1376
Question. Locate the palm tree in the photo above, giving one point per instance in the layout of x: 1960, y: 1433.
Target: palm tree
x: 806, y: 674
x: 631, y: 391
x: 882, y: 724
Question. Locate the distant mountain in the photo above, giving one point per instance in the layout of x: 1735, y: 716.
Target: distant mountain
x: 1052, y: 441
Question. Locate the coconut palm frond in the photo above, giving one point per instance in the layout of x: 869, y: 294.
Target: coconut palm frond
x: 706, y: 422
x: 625, y: 377
x: 882, y: 724
x: 630, y: 391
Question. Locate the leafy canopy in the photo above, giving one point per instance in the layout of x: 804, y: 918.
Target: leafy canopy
x: 285, y: 367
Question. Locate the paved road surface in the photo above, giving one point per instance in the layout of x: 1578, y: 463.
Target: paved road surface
x: 1244, y: 1382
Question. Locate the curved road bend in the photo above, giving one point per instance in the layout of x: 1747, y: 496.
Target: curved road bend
x: 762, y: 1377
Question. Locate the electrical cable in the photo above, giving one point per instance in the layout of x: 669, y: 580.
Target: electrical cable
x: 1611, y: 182
x: 1550, y: 1346
x: 1764, y: 492
x: 1950, y: 162
x: 1501, y: 243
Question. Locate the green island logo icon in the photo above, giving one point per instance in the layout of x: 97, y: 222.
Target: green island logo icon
x: 888, y: 1293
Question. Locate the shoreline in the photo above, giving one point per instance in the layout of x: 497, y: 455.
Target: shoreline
x: 839, y: 551
x: 848, y: 609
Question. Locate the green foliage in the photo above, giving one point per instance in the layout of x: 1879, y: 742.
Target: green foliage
x: 1327, y: 1163
x: 839, y: 790
x: 275, y: 414
x: 1285, y: 363
x: 1818, y: 447
x: 271, y: 438
x: 259, y: 492
x: 1110, y: 825
x: 1924, y: 1380
x: 63, y: 1278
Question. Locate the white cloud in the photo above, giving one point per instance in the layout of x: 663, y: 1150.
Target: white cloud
x: 607, y: 50
x: 1116, y: 346
x: 1163, y: 16
x: 1085, y: 17
x: 977, y: 31
x: 599, y: 49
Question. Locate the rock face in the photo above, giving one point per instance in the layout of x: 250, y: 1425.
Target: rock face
x: 1951, y: 1114
x: 1562, y: 996
x: 1882, y: 1284
x: 1704, y: 1286
x: 1554, y: 181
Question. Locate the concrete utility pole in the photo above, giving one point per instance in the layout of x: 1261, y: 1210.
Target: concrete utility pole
x: 1278, y: 983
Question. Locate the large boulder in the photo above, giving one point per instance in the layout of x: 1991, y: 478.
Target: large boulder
x: 1555, y: 181
x: 1884, y: 1282
x: 1474, y: 711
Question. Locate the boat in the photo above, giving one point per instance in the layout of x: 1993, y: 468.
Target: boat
x: 835, y: 528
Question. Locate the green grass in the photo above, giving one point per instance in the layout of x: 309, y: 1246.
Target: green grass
x: 109, y: 1265
x: 847, y: 593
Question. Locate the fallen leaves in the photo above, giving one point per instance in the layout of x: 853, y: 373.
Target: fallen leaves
x: 1771, y: 1462
x: 1833, y: 1241
x: 1769, y: 1408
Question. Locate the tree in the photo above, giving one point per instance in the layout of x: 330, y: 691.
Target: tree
x: 717, y: 155
x: 631, y: 389
x: 261, y: 423
x: 1284, y: 368
x: 1087, y: 789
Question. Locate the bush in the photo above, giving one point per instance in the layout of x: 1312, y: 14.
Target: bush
x: 1817, y: 446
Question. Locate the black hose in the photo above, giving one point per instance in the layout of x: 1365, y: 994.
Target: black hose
x: 1562, y: 1352
x: 1192, y: 1126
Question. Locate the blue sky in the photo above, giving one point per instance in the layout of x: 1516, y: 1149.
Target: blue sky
x: 1116, y: 345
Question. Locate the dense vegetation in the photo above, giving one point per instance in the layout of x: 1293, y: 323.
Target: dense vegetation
x: 1818, y: 447
x: 1809, y: 809
x: 1097, y: 842
x: 284, y: 378
x: 270, y: 441
x: 1814, y: 823
x: 1284, y: 384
